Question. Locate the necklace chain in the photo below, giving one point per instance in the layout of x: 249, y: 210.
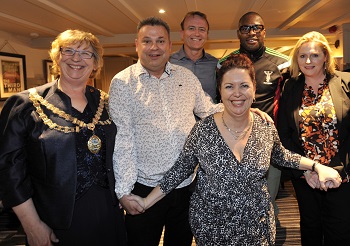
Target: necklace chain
x: 39, y: 100
x: 237, y: 135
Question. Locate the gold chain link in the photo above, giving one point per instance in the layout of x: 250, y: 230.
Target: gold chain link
x: 39, y: 100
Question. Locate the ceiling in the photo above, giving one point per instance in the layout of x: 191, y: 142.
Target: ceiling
x: 37, y: 22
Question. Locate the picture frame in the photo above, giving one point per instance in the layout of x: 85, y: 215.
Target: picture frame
x: 47, y: 71
x: 12, y: 74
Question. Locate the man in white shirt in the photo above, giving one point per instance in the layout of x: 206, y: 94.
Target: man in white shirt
x: 154, y: 103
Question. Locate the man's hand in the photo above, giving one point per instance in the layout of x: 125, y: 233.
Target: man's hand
x: 131, y: 205
x: 262, y: 114
x: 141, y: 201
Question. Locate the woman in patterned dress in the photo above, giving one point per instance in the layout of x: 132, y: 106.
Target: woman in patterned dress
x: 314, y: 121
x: 231, y: 203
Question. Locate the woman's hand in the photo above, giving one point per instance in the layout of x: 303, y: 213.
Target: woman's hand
x: 131, y: 205
x: 40, y: 235
x: 141, y: 201
x: 328, y: 177
x: 262, y: 114
x: 312, y: 179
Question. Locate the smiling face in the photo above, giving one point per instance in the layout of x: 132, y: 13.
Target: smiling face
x: 153, y: 47
x: 195, y: 32
x: 251, y: 41
x: 237, y: 91
x: 311, y: 59
x: 74, y: 69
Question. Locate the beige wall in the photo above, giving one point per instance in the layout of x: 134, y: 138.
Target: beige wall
x: 34, y: 59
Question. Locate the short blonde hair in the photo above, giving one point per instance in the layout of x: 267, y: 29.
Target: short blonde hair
x: 70, y: 37
x: 322, y: 42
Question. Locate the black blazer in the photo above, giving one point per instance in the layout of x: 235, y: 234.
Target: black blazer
x: 288, y: 118
x: 39, y: 163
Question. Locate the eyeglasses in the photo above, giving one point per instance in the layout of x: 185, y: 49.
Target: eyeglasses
x: 82, y: 53
x: 255, y: 28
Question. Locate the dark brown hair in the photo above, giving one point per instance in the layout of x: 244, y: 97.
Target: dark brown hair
x: 153, y: 21
x: 232, y: 62
x: 192, y: 14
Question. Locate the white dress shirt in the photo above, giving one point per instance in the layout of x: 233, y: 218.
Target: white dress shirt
x: 153, y: 117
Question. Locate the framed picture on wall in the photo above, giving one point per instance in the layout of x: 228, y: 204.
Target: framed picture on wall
x: 12, y: 74
x: 47, y: 71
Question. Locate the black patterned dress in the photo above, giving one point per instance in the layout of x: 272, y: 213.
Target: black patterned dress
x: 231, y: 203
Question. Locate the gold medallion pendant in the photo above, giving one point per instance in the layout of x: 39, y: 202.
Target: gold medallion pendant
x: 94, y: 144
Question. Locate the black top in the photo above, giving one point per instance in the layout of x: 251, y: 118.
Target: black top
x: 91, y: 168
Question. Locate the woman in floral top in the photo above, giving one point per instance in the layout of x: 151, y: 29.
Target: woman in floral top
x: 231, y: 204
x: 314, y: 121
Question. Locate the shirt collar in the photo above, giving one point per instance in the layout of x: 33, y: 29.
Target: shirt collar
x: 141, y: 70
x: 253, y: 56
x: 182, y: 54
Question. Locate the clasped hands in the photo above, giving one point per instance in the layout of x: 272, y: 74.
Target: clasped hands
x: 133, y: 204
x: 326, y: 178
x: 314, y: 182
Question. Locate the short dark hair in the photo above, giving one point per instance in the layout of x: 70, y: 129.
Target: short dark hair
x: 153, y: 21
x: 193, y: 13
x: 246, y: 15
x: 235, y: 61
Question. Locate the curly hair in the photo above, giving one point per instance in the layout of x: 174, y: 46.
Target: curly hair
x: 71, y: 37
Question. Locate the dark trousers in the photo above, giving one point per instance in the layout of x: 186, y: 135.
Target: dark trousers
x: 95, y: 221
x: 324, y: 216
x: 171, y: 213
